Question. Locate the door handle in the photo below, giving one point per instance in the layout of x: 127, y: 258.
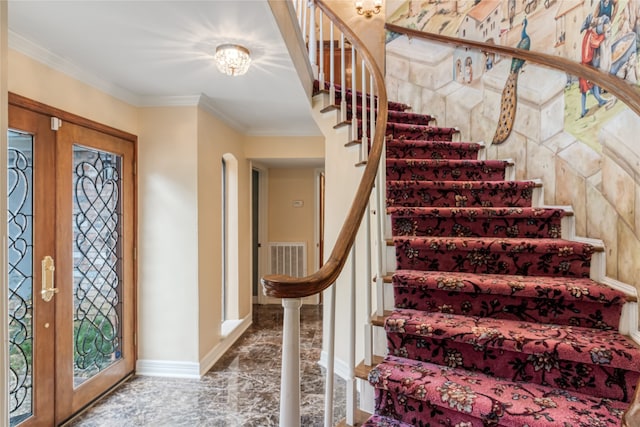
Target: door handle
x: 48, y: 270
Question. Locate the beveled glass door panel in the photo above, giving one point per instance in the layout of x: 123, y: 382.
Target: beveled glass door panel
x: 70, y: 264
x: 30, y: 191
x: 95, y: 307
x: 97, y: 241
x: 20, y: 258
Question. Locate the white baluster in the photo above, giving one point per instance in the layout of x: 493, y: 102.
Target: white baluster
x: 351, y: 380
x: 372, y: 115
x: 343, y: 81
x: 321, y: 75
x: 381, y: 250
x: 365, y: 139
x: 368, y: 328
x: 331, y: 354
x: 290, y: 379
x: 313, y: 46
x: 354, y: 96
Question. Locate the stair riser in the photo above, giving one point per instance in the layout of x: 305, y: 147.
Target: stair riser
x: 559, y: 312
x: 396, y: 117
x: 491, y: 259
x: 442, y: 152
x: 426, y: 172
x: 548, y: 226
x: 426, y: 134
x: 461, y: 226
x: 543, y: 369
x: 416, y: 412
x: 447, y: 196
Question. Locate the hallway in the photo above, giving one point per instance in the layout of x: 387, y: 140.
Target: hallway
x: 242, y: 389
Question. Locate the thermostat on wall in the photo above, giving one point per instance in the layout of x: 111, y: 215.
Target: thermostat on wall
x: 298, y: 203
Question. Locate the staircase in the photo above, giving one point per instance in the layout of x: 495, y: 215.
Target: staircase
x: 496, y: 321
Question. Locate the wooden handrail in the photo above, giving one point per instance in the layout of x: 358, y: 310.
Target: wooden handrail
x: 625, y: 92
x: 281, y: 286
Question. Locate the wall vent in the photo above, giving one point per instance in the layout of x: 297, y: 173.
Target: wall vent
x: 288, y: 258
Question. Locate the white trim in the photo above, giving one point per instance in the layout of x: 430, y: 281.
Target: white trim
x: 170, y: 101
x: 316, y: 218
x: 192, y: 370
x: 629, y: 319
x: 56, y: 62
x: 290, y: 131
x: 167, y: 368
x: 209, y: 106
x: 341, y: 368
x: 620, y: 286
x: 234, y: 329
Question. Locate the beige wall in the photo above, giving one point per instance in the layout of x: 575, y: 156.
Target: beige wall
x: 288, y: 223
x: 216, y: 139
x: 369, y: 30
x: 168, y: 234
x: 284, y: 147
x: 179, y: 154
x: 37, y: 81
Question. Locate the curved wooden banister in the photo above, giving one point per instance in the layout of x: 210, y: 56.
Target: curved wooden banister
x: 279, y: 286
x: 625, y: 92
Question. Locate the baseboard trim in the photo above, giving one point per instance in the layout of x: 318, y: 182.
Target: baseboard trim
x: 227, y: 341
x: 340, y: 367
x: 192, y: 370
x: 167, y: 368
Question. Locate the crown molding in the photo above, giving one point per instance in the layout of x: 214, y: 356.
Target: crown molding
x: 58, y: 63
x: 208, y: 105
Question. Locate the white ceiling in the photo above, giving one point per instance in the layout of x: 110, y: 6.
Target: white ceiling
x: 160, y: 53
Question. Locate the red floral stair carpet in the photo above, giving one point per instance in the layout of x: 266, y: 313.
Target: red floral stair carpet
x: 497, y: 322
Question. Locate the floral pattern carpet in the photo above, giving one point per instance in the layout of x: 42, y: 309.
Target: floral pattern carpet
x: 497, y: 322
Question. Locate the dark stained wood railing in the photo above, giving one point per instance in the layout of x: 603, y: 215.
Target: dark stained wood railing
x: 625, y: 92
x: 280, y: 286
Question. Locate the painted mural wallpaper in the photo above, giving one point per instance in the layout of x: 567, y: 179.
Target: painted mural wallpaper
x: 600, y: 33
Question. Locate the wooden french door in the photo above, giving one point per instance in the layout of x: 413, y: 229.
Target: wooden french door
x: 71, y: 264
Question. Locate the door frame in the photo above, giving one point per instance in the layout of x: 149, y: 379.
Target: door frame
x: 263, y: 202
x: 65, y: 117
x: 263, y: 221
x: 4, y: 286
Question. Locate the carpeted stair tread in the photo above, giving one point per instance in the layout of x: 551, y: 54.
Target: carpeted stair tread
x: 591, y: 361
x: 572, y: 343
x: 560, y: 300
x: 421, y: 149
x: 543, y: 257
x: 380, y: 421
x: 445, y: 169
x: 461, y: 193
x: 422, y: 393
x: 411, y: 131
x: 395, y: 106
x: 489, y: 221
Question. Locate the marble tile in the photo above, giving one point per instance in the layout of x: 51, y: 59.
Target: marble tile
x: 242, y: 388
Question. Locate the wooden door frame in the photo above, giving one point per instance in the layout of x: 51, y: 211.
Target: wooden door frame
x: 40, y: 108
x: 263, y: 222
x: 43, y: 236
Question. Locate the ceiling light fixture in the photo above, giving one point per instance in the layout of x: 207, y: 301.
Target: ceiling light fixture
x: 368, y: 13
x: 232, y: 59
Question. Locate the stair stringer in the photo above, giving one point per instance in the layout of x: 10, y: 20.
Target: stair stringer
x: 340, y: 169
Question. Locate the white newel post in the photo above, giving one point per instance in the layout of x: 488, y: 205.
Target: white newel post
x: 290, y: 379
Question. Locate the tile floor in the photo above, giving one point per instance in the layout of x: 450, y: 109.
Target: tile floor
x: 242, y: 389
